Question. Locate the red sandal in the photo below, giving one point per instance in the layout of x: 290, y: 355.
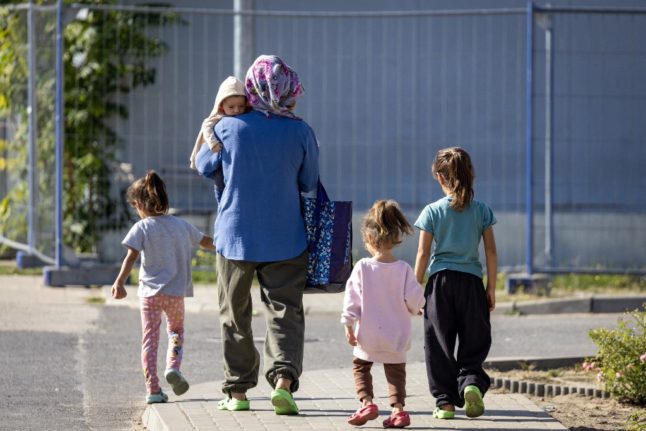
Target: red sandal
x: 397, y: 420
x: 364, y: 414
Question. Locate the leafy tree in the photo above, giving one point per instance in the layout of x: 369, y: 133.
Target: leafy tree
x: 13, y: 109
x: 106, y: 53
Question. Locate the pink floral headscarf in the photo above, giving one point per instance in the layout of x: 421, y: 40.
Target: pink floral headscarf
x: 272, y: 86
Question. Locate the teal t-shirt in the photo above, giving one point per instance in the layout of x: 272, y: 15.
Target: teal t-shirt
x: 456, y: 234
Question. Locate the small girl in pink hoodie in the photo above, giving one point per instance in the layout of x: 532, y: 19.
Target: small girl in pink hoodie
x: 380, y: 297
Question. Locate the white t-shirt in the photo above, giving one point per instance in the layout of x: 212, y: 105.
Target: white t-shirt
x: 166, y: 244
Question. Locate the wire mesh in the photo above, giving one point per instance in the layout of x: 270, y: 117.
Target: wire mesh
x: 27, y: 140
x: 598, y: 207
x: 384, y: 91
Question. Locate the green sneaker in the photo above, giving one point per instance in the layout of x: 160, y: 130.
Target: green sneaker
x: 233, y: 405
x: 440, y: 413
x: 474, y: 405
x: 283, y: 402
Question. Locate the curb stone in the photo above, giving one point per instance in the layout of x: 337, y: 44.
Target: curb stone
x: 545, y: 390
x: 588, y: 304
x: 528, y: 387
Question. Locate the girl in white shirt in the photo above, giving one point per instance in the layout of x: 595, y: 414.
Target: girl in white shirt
x: 165, y: 244
x: 380, y: 297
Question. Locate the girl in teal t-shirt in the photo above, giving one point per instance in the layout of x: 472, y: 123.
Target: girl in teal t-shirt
x: 457, y: 304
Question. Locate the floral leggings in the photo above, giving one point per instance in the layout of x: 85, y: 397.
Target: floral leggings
x: 151, y: 314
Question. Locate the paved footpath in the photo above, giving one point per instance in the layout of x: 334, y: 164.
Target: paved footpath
x: 326, y: 399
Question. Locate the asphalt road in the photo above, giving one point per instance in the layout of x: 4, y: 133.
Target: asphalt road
x: 70, y: 364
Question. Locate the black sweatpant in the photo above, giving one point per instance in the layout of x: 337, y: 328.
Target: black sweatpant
x: 456, y: 310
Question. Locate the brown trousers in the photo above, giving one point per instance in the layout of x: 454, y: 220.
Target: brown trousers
x: 395, y: 376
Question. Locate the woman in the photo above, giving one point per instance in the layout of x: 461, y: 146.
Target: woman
x: 269, y: 157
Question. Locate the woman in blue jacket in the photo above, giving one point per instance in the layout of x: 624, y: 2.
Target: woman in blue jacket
x: 269, y: 157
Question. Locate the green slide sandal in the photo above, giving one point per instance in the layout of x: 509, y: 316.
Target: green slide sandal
x: 283, y: 402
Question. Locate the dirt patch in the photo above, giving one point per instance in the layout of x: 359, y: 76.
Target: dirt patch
x: 576, y: 412
x: 579, y: 413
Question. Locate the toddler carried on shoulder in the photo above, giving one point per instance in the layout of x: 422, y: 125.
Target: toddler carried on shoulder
x: 231, y: 100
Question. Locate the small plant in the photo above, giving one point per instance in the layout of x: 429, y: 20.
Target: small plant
x: 204, y: 267
x: 637, y: 421
x: 95, y: 300
x: 620, y: 362
x: 526, y: 366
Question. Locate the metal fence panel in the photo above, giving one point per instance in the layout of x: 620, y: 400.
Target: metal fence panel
x: 598, y: 207
x: 386, y: 90
x: 383, y: 94
x: 27, y: 140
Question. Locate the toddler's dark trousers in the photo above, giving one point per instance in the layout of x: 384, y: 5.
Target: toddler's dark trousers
x: 456, y: 310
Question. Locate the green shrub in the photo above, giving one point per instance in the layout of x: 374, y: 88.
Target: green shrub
x: 637, y: 421
x: 621, y: 359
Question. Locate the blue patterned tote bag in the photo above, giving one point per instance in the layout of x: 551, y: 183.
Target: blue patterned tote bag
x: 329, y: 238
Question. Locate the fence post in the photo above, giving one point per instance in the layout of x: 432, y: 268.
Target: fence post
x: 549, y: 71
x: 243, y: 34
x: 529, y: 131
x: 32, y: 183
x: 59, y: 118
x: 28, y: 258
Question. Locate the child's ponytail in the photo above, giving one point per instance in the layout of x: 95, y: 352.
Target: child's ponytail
x: 385, y: 224
x: 454, y: 167
x: 156, y: 189
x: 150, y: 194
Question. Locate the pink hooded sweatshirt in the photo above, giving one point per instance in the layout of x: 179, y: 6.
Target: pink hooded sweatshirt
x: 380, y: 299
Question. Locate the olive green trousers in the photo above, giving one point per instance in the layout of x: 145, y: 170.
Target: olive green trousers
x: 282, y: 284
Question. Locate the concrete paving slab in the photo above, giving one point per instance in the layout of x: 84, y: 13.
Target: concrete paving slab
x: 327, y: 398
